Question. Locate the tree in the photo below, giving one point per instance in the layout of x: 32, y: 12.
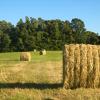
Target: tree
x: 92, y: 38
x: 67, y: 35
x: 44, y: 34
x: 78, y: 29
x: 4, y: 42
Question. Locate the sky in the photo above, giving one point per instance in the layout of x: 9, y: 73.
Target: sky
x: 86, y: 10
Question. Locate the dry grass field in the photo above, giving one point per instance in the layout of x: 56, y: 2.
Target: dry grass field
x: 39, y: 79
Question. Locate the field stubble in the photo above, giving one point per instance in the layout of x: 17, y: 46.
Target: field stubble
x: 38, y: 79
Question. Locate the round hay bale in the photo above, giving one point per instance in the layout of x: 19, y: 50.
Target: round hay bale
x: 25, y: 56
x: 43, y: 52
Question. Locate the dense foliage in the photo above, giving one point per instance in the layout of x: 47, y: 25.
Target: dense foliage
x: 44, y: 34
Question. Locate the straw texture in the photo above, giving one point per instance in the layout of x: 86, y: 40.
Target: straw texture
x: 81, y: 67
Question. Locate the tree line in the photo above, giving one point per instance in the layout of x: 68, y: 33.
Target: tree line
x: 44, y: 34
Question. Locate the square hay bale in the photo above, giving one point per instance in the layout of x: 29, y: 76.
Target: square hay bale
x: 25, y: 56
x: 81, y: 66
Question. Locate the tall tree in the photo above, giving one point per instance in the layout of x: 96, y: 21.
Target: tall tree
x: 78, y: 29
x: 4, y: 42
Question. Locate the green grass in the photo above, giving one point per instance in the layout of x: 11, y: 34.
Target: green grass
x: 14, y: 56
x: 39, y: 79
x: 51, y: 56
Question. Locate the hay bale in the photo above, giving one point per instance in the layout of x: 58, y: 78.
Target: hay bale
x: 95, y: 79
x: 43, y: 52
x: 25, y: 56
x: 77, y: 66
x: 89, y: 66
x: 83, y: 65
x: 66, y: 66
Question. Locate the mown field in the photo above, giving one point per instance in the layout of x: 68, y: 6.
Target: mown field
x: 40, y: 79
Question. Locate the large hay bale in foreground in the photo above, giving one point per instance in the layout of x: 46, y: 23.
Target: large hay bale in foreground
x: 25, y: 56
x: 43, y: 52
x: 81, y: 67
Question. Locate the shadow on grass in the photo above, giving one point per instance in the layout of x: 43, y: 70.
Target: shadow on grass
x: 31, y: 85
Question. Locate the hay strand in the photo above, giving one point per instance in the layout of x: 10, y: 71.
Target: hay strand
x: 71, y: 65
x: 66, y: 66
x: 89, y: 66
x: 99, y: 64
x: 77, y: 66
x: 83, y: 65
x: 95, y: 66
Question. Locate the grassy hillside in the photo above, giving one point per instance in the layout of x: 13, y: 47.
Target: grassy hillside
x: 40, y: 79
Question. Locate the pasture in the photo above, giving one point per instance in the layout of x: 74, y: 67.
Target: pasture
x: 39, y: 79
